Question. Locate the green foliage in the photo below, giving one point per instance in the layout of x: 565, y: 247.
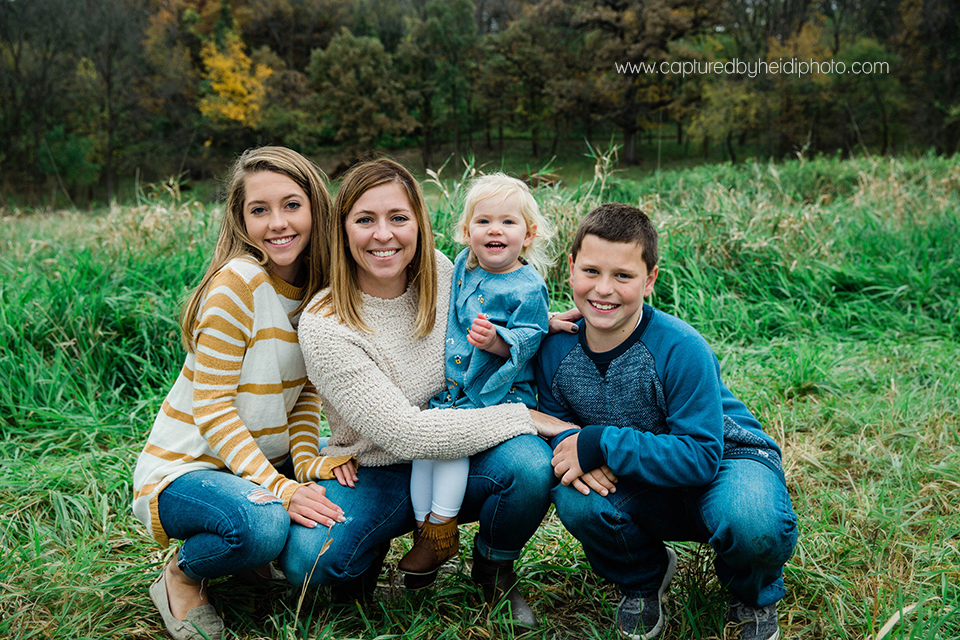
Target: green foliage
x: 357, y: 91
x: 828, y: 289
x: 69, y: 157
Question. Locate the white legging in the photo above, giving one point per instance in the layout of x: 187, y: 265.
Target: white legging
x: 438, y: 486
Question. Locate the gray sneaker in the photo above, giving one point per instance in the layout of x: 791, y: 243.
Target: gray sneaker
x: 756, y: 623
x: 641, y: 617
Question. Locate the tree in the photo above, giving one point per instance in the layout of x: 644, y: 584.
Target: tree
x: 638, y: 31
x: 434, y: 56
x: 112, y: 34
x: 358, y: 92
x: 235, y: 86
x: 451, y: 37
x: 292, y: 28
x: 420, y: 72
x: 37, y: 51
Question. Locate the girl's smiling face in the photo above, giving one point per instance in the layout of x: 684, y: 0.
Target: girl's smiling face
x: 497, y: 233
x: 277, y: 217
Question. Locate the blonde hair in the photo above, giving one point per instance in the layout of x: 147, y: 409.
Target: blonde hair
x: 234, y: 242
x: 344, y: 297
x: 503, y: 186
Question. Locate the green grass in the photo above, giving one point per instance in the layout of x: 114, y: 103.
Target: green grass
x: 830, y: 291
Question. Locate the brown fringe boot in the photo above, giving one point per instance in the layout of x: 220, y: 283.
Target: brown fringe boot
x: 435, y: 544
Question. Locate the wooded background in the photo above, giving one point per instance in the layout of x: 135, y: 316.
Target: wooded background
x: 97, y: 91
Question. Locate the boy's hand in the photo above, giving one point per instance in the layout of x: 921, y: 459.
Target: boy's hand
x: 346, y: 474
x: 549, y: 426
x: 566, y: 464
x: 600, y: 480
x: 483, y: 335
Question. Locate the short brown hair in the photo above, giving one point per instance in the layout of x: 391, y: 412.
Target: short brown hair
x: 616, y: 222
x: 344, y: 297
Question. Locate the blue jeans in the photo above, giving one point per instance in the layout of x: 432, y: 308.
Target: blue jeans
x: 227, y: 524
x: 745, y: 515
x: 508, y: 491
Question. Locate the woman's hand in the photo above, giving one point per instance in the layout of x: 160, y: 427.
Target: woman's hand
x: 548, y: 426
x: 309, y: 506
x: 346, y: 474
x: 564, y: 321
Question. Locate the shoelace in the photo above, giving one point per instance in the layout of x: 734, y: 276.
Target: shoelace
x: 746, y: 613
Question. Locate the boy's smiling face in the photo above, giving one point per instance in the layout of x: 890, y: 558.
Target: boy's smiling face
x: 610, y: 281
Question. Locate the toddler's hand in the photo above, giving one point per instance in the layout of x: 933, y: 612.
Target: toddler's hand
x: 483, y: 335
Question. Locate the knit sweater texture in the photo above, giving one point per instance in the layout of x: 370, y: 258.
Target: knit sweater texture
x: 242, y: 401
x: 376, y: 386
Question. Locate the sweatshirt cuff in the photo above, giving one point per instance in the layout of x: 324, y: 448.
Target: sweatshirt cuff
x: 589, y: 453
x: 560, y: 437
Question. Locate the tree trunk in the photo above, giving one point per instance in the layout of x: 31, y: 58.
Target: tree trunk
x: 486, y: 127
x: 426, y: 150
x: 456, y: 124
x: 556, y: 136
x: 630, y: 143
x: 730, y: 152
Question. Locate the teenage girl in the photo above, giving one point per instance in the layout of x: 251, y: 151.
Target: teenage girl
x: 228, y: 463
x: 497, y: 317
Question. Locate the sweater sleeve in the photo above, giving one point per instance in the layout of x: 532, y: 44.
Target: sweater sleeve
x: 354, y: 386
x: 308, y: 464
x: 525, y: 328
x: 223, y: 332
x: 689, y: 453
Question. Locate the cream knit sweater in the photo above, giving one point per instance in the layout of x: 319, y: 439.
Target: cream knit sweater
x: 375, y: 387
x: 242, y: 401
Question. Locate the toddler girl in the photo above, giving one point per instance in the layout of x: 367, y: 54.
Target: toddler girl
x: 497, y: 317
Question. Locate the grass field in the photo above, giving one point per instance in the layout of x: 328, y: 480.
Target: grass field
x: 829, y: 290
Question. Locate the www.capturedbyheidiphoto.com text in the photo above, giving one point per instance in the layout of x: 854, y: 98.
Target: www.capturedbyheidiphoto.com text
x: 790, y: 66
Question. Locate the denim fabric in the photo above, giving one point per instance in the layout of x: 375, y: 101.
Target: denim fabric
x: 744, y: 514
x: 508, y: 491
x: 227, y: 524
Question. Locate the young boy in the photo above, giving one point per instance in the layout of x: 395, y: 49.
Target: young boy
x: 668, y: 451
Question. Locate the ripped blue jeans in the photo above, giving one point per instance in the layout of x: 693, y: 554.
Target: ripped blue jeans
x: 227, y: 524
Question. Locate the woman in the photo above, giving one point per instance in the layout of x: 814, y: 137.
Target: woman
x: 229, y: 460
x: 374, y: 349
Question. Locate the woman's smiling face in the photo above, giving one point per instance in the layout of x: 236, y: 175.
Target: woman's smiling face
x: 383, y: 235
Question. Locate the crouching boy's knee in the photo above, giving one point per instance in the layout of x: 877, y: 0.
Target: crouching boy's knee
x: 757, y: 539
x: 579, y: 513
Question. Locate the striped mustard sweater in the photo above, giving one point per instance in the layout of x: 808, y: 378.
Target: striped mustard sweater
x: 242, y: 402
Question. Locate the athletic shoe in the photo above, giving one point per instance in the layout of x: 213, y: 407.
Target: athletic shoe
x: 641, y: 617
x: 756, y: 623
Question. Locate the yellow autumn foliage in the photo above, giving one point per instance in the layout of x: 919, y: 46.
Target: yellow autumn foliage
x: 236, y: 87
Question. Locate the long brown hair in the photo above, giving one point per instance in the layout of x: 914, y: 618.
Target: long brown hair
x: 344, y: 297
x: 234, y: 242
